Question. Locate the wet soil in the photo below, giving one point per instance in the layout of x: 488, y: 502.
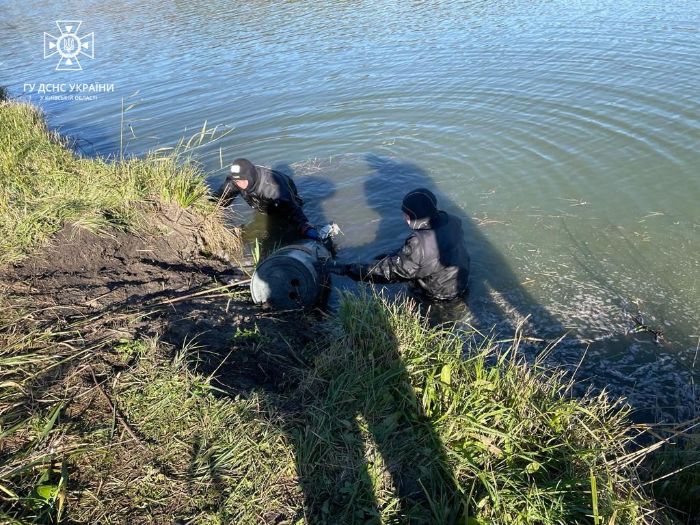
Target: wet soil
x: 125, y: 286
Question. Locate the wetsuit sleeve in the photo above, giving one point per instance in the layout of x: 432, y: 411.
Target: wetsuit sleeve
x: 400, y: 266
x: 227, y: 192
x: 294, y: 191
x: 296, y: 212
x: 298, y: 217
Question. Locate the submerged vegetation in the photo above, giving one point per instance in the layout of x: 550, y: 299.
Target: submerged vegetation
x: 378, y: 418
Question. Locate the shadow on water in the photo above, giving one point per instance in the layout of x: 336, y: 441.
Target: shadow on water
x: 490, y: 274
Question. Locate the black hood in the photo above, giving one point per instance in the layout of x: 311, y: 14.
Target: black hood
x: 421, y: 207
x: 243, y: 169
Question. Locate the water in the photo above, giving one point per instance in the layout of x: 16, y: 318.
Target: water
x: 565, y: 134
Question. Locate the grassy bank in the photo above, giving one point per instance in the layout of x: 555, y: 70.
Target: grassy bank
x: 133, y: 412
x: 44, y: 185
x: 381, y: 419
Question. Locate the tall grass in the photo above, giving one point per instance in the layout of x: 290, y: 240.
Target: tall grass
x: 44, y: 185
x: 672, y: 474
x: 487, y: 438
x: 391, y: 421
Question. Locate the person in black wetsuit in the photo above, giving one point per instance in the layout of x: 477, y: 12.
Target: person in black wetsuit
x: 434, y: 258
x: 268, y: 191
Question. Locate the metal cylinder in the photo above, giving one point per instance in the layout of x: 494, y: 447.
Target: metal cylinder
x: 292, y: 277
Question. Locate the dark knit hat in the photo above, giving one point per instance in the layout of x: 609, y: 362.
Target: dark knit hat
x: 243, y: 169
x: 419, y: 204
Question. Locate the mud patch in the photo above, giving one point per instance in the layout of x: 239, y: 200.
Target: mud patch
x: 123, y: 286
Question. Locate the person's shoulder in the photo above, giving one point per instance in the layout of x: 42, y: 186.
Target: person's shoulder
x: 284, y: 183
x: 278, y: 175
x: 270, y: 179
x: 282, y: 179
x: 413, y: 241
x: 264, y: 173
x: 444, y: 216
x: 445, y: 219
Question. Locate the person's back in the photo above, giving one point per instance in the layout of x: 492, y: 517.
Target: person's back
x: 273, y: 192
x: 444, y: 268
x: 433, y: 258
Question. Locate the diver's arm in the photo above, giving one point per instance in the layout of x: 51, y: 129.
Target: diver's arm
x: 402, y: 265
x: 227, y: 192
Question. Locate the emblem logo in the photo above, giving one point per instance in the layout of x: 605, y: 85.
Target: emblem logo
x: 69, y: 45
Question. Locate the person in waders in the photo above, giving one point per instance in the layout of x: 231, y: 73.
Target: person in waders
x: 433, y: 259
x: 270, y: 192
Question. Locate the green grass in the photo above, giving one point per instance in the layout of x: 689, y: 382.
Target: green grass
x: 44, y: 185
x: 673, y: 475
x: 206, y: 458
x: 387, y: 421
x: 486, y: 438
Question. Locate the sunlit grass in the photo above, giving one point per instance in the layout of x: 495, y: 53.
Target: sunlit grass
x: 392, y: 422
x: 44, y: 185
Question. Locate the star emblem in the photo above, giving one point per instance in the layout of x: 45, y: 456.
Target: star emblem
x: 69, y: 45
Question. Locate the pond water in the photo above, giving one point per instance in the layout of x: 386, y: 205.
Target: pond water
x: 565, y: 134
